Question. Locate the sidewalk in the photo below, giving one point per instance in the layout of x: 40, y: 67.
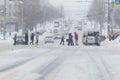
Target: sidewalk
x: 6, y: 45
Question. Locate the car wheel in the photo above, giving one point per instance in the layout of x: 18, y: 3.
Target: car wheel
x: 86, y: 44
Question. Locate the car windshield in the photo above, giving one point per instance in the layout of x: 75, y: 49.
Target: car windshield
x: 49, y: 37
x: 20, y: 37
x: 93, y: 33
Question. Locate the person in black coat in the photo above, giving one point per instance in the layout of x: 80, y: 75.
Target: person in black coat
x: 26, y: 38
x: 15, y: 37
x: 70, y: 41
x: 32, y: 38
x: 62, y: 40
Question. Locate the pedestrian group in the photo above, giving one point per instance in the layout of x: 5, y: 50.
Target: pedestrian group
x: 70, y: 39
x: 32, y: 36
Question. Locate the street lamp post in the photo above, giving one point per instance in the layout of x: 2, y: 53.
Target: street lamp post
x: 110, y: 9
x: 4, y: 29
x: 22, y: 13
x: 108, y: 17
x: 22, y: 16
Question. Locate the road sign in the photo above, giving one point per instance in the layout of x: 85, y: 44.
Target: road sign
x: 116, y: 2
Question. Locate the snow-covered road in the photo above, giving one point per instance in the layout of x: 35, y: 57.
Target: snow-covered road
x: 51, y: 62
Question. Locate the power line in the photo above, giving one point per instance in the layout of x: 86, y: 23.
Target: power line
x: 85, y: 1
x: 80, y: 1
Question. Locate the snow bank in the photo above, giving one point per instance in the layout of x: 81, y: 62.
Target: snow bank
x: 117, y: 40
x: 114, y: 42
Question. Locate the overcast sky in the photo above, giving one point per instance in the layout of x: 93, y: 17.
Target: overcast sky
x: 72, y: 7
x: 1, y: 1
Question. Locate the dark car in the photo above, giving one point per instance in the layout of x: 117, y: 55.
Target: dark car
x: 20, y: 40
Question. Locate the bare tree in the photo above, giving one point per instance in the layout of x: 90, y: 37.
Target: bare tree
x: 97, y: 12
x: 116, y: 14
x: 37, y: 11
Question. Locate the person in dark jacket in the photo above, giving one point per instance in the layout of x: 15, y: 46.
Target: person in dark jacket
x: 26, y: 38
x: 110, y: 37
x: 70, y: 41
x: 71, y: 38
x: 62, y: 40
x: 76, y: 38
x: 32, y: 38
x: 15, y: 37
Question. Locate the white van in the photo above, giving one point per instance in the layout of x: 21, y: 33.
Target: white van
x: 91, y: 37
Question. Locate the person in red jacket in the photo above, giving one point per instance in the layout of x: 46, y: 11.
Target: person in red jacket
x: 110, y: 37
x: 76, y: 38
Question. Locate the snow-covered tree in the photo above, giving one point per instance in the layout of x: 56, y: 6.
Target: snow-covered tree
x: 97, y: 12
x: 37, y: 11
x: 116, y: 16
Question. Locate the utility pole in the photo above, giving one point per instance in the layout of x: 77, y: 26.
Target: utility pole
x: 10, y: 16
x: 4, y: 29
x: 22, y: 17
x: 22, y: 13
x: 109, y: 18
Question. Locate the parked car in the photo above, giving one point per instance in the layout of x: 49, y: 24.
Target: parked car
x: 91, y: 37
x: 115, y: 36
x: 55, y: 30
x: 20, y: 40
x: 57, y: 36
x: 49, y: 39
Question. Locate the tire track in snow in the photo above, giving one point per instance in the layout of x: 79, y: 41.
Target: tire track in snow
x: 15, y: 65
x: 21, y: 62
x: 22, y: 72
x: 103, y: 73
x: 50, y: 67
